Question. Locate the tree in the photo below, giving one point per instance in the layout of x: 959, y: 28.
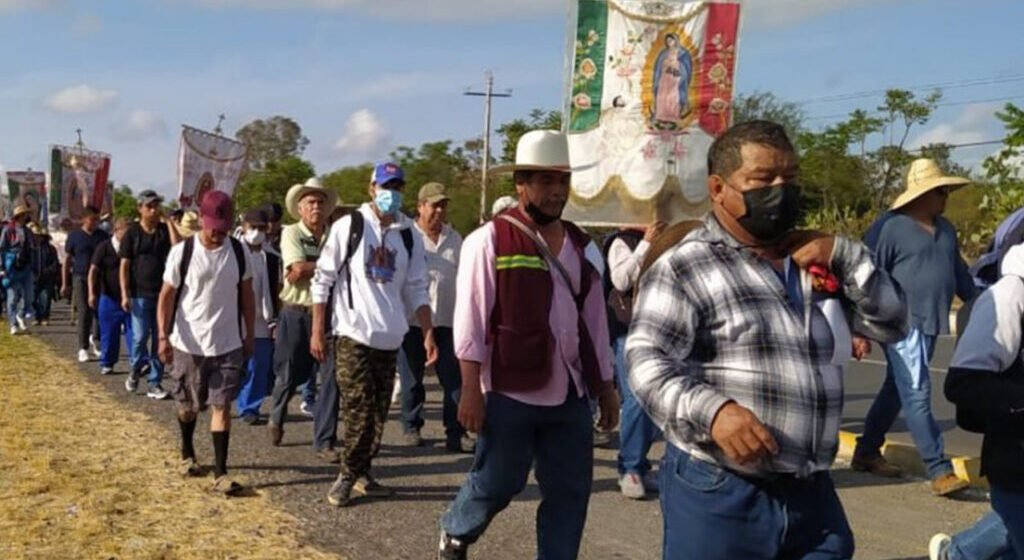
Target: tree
x: 763, y: 105
x: 271, y: 139
x: 271, y: 184
x: 125, y: 205
x: 902, y: 111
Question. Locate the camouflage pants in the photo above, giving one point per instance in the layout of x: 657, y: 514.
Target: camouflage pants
x: 366, y: 377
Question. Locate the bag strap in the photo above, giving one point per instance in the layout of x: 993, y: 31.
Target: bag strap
x: 239, y: 250
x: 355, y: 236
x: 543, y: 248
x: 186, y: 258
x: 407, y: 241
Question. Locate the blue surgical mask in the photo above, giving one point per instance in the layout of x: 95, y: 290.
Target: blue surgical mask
x: 388, y: 201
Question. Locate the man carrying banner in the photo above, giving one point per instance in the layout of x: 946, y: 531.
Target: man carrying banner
x: 79, y: 248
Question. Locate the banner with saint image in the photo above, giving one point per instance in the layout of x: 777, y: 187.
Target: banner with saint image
x: 206, y: 162
x: 650, y: 87
x: 28, y: 188
x: 78, y: 178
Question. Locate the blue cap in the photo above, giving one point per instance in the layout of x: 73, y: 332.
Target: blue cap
x: 388, y: 171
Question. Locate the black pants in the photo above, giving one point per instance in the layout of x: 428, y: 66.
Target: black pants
x: 87, y: 322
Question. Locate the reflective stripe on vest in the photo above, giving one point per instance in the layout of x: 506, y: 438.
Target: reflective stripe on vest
x: 509, y: 262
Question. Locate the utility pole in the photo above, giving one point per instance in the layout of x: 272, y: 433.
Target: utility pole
x: 487, y: 94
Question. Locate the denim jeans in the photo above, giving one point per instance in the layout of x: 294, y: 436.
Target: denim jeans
x: 1010, y: 507
x: 113, y: 320
x: 325, y: 411
x: 293, y: 364
x: 257, y: 377
x: 558, y: 442
x: 20, y: 295
x: 144, y: 332
x: 908, y: 385
x: 636, y: 430
x: 987, y: 539
x: 43, y: 302
x: 411, y: 366
x: 710, y: 513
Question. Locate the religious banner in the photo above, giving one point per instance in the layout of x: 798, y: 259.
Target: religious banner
x: 649, y: 88
x: 78, y: 178
x: 206, y: 162
x: 28, y: 188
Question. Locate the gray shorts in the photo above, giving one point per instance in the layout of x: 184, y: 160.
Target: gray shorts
x: 201, y: 381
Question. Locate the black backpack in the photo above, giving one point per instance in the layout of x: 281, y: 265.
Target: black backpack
x: 355, y: 237
x: 186, y: 259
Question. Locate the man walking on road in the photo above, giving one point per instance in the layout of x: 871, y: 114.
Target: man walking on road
x: 532, y: 342
x: 378, y: 266
x: 143, y: 255
x: 730, y: 356
x: 206, y: 322
x: 105, y: 298
x: 919, y: 248
x: 79, y: 248
x: 46, y: 266
x: 441, y: 244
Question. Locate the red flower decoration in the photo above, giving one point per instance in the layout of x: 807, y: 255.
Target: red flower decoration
x: 822, y: 279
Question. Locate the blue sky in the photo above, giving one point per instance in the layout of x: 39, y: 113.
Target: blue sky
x: 362, y: 76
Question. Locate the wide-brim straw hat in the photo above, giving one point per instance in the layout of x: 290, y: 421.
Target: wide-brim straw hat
x: 925, y: 176
x: 313, y: 185
x: 19, y: 210
x: 189, y: 224
x: 541, y: 150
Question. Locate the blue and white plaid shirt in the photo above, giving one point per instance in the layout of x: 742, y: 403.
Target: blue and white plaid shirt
x: 712, y: 324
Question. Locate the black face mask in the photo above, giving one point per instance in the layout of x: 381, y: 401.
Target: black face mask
x: 771, y: 211
x: 539, y: 217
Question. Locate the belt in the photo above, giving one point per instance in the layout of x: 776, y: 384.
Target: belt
x: 295, y: 308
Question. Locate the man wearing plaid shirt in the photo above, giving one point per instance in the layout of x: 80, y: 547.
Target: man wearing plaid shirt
x: 734, y: 358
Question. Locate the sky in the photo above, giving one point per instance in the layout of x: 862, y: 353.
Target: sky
x: 363, y: 76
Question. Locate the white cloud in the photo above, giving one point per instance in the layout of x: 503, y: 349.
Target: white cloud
x: 82, y: 98
x: 140, y: 125
x: 364, y: 136
x: 972, y: 125
x: 446, y: 10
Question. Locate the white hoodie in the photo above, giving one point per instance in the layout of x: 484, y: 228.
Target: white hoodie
x: 992, y: 339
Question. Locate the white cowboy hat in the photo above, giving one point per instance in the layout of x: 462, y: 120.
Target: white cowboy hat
x: 924, y: 176
x: 313, y: 185
x: 540, y: 150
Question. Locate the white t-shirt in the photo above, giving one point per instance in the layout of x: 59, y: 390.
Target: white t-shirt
x: 206, y: 322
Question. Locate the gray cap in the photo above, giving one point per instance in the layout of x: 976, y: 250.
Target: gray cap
x: 147, y: 196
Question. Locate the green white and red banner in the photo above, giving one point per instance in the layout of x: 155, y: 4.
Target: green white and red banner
x: 78, y: 178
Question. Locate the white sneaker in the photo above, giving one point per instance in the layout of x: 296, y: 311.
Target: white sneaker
x: 157, y: 393
x: 21, y: 322
x: 93, y: 349
x: 632, y: 486
x: 14, y: 330
x: 106, y: 370
x: 938, y: 546
x: 305, y: 409
x: 83, y: 356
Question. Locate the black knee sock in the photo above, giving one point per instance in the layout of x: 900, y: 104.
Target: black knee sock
x: 220, y: 452
x: 187, y: 428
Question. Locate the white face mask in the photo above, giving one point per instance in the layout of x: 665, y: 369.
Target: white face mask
x: 255, y: 237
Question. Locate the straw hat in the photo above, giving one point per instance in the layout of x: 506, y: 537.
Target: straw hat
x: 924, y: 176
x: 37, y: 229
x: 189, y: 224
x: 313, y: 185
x: 19, y: 210
x: 540, y: 150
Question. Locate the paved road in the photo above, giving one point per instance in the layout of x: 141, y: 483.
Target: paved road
x: 863, y: 380
x: 892, y: 519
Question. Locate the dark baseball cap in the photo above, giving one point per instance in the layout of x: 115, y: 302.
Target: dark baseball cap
x: 148, y: 196
x: 216, y: 211
x: 255, y: 217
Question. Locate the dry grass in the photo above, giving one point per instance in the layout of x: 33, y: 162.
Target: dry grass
x: 83, y: 477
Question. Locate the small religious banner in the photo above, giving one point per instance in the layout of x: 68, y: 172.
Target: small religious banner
x: 650, y: 88
x: 78, y: 178
x: 28, y: 188
x: 207, y: 161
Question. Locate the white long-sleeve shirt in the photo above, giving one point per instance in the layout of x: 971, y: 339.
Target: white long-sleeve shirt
x: 624, y: 264
x: 442, y: 265
x: 377, y: 318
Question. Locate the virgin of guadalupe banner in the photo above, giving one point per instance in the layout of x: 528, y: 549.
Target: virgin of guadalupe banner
x: 206, y: 162
x: 650, y: 86
x: 28, y: 188
x: 78, y: 178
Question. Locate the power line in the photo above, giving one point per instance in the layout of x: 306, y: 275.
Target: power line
x: 973, y: 82
x: 947, y: 104
x: 964, y: 145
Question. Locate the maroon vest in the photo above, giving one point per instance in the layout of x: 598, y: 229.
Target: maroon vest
x: 520, y: 335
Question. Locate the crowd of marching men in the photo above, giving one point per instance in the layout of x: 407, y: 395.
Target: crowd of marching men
x: 728, y: 336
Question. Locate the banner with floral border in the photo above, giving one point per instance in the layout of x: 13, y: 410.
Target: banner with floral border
x: 28, y: 188
x: 651, y: 88
x: 78, y: 178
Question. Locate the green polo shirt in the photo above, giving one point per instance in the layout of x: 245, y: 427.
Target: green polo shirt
x: 298, y: 245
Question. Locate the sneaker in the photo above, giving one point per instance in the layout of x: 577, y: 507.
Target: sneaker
x: 411, y: 439
x: 106, y: 370
x: 45, y: 322
x: 451, y: 548
x: 14, y: 330
x: 83, y: 356
x: 276, y: 433
x: 132, y: 383
x: 370, y: 488
x: 340, y: 493
x: 602, y: 438
x: 157, y: 392
x: 632, y: 486
x: 306, y: 409
x: 329, y: 455
x: 224, y: 485
x: 21, y: 322
x: 650, y: 481
x: 465, y: 444
x: 251, y: 418
x: 876, y: 465
x: 190, y: 468
x: 94, y: 349
x: 938, y: 547
x: 947, y: 484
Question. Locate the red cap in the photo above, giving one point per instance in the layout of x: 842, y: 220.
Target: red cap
x: 217, y: 210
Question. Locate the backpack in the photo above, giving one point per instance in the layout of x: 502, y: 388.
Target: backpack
x: 355, y: 237
x: 620, y: 303
x: 186, y: 259
x: 23, y: 256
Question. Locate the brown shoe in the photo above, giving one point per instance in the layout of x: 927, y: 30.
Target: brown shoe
x: 947, y: 484
x: 276, y: 433
x: 876, y: 465
x: 329, y: 455
x: 411, y: 439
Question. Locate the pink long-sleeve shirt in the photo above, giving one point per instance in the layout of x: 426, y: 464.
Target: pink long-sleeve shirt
x: 476, y: 295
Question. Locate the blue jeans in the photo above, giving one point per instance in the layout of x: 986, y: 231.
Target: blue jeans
x: 411, y: 366
x: 325, y: 409
x: 908, y: 385
x: 558, y: 440
x: 20, y: 295
x: 987, y: 539
x: 43, y: 301
x: 710, y: 513
x: 144, y: 331
x: 257, y: 377
x: 1010, y: 507
x: 112, y: 320
x: 636, y: 430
